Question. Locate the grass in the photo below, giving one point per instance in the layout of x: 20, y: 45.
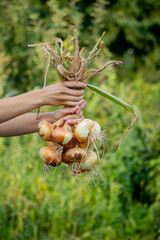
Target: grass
x: 124, y: 207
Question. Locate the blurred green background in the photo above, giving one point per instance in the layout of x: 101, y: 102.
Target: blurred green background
x: 126, y: 204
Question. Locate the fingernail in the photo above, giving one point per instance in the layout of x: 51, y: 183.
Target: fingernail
x: 85, y: 85
x: 69, y: 122
x: 78, y: 112
x: 65, y: 118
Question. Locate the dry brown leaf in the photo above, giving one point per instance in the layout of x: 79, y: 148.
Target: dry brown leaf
x: 87, y: 76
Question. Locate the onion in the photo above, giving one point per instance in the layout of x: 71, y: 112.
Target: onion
x: 83, y: 129
x: 50, y: 155
x: 72, y: 143
x: 88, y: 142
x: 80, y: 172
x: 65, y: 160
x: 75, y: 154
x: 96, y: 128
x: 45, y: 129
x: 50, y: 143
x: 61, y: 135
x: 89, y: 161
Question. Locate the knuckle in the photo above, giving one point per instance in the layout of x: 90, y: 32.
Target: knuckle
x: 84, y: 104
x: 79, y: 98
x: 62, y: 98
x: 80, y: 114
x: 82, y: 92
x: 74, y: 84
x: 63, y: 90
x: 70, y: 103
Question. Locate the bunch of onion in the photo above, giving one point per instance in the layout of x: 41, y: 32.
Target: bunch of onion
x: 70, y: 144
x: 75, y: 68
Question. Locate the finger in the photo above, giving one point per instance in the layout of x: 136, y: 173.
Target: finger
x: 72, y: 98
x: 74, y: 92
x: 74, y: 84
x: 73, y: 116
x: 83, y: 104
x: 71, y: 104
x: 69, y: 110
x: 73, y: 121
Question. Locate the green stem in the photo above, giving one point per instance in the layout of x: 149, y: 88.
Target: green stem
x: 58, y: 48
x: 119, y: 102
x: 111, y: 97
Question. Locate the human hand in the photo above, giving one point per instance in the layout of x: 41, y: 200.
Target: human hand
x: 70, y: 114
x: 76, y: 116
x: 61, y: 94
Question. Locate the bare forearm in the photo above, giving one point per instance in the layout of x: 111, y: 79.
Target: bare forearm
x: 15, y: 106
x: 21, y: 125
x: 27, y: 123
x: 58, y: 94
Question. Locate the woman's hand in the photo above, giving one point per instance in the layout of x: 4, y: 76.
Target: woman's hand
x: 27, y: 123
x: 61, y: 94
x: 70, y: 114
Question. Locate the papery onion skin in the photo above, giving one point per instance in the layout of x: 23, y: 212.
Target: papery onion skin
x: 50, y: 143
x: 87, y: 143
x: 89, y: 161
x: 75, y: 154
x: 62, y: 136
x: 72, y: 143
x: 65, y: 160
x: 96, y: 128
x: 45, y: 130
x: 50, y: 155
x: 83, y: 129
x: 80, y: 172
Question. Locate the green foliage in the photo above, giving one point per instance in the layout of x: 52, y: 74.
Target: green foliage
x: 127, y: 205
x: 27, y: 22
x: 132, y: 32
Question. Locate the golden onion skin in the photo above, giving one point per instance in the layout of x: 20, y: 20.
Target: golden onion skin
x: 72, y: 143
x: 45, y: 130
x: 65, y: 160
x: 96, y: 128
x: 61, y: 135
x: 51, y: 143
x: 87, y: 143
x: 82, y: 129
x: 50, y: 155
x: 75, y: 154
x: 80, y: 172
x: 89, y: 161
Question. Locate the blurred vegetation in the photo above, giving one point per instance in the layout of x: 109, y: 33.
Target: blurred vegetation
x: 127, y: 205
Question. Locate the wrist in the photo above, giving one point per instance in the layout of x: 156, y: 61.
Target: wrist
x: 40, y: 96
x: 48, y: 116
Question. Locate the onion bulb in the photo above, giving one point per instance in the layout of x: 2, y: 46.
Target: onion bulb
x: 72, y: 143
x: 50, y: 143
x: 75, y: 154
x: 61, y: 135
x: 88, y: 142
x: 80, y: 172
x: 83, y: 129
x: 96, y: 130
x: 65, y: 160
x: 45, y: 129
x: 89, y: 161
x: 50, y: 155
